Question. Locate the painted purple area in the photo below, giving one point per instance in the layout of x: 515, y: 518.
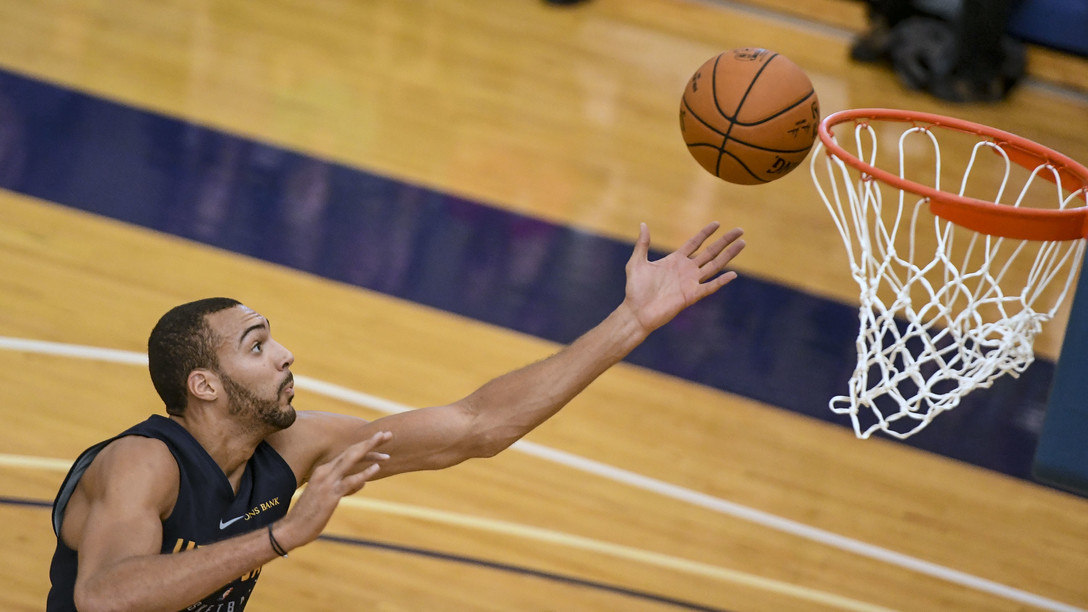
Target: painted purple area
x: 758, y: 339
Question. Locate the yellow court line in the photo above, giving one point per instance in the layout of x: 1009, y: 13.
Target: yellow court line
x: 37, y: 463
x: 658, y: 487
x: 614, y: 550
x: 546, y: 536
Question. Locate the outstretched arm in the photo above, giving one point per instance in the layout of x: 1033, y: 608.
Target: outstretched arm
x: 505, y: 409
x: 508, y: 407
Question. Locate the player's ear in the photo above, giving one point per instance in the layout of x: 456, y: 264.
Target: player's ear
x: 204, y: 384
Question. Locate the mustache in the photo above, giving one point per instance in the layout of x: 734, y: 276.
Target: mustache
x: 287, y: 382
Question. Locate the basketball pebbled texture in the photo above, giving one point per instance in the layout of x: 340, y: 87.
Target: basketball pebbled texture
x: 749, y: 116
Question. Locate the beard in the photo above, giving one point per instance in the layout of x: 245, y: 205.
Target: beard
x: 246, y: 403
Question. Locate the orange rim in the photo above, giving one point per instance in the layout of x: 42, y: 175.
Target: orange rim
x: 979, y: 215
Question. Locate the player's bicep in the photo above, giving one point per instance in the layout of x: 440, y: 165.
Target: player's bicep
x: 127, y: 492
x: 426, y: 438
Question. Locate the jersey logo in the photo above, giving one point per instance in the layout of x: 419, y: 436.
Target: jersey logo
x: 224, y: 524
x: 259, y: 508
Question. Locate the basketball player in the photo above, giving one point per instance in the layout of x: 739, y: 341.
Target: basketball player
x: 181, y: 511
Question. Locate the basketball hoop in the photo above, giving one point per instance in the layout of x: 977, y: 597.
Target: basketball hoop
x: 955, y: 285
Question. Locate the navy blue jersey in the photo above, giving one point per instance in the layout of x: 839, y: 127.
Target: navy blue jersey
x: 207, y: 509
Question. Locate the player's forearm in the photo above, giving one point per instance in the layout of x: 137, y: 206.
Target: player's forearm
x: 175, y: 581
x: 510, y: 406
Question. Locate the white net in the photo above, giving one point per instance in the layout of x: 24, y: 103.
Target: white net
x: 944, y: 310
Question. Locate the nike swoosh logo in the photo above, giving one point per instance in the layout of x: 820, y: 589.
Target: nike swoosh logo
x: 224, y: 525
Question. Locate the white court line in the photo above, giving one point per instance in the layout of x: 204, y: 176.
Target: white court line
x: 547, y: 536
x: 619, y: 475
x: 614, y: 550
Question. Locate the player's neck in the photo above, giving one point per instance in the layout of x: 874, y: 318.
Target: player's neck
x: 226, y: 441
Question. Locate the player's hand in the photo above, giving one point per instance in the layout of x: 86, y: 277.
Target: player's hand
x: 658, y: 290
x: 330, y: 483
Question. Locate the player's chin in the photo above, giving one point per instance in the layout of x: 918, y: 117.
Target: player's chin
x: 286, y: 416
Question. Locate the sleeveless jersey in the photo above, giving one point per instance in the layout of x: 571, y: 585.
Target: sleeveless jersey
x: 207, y: 509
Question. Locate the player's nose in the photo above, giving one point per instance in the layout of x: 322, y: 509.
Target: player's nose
x: 285, y: 357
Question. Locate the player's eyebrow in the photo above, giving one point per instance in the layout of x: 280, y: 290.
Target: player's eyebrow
x: 264, y: 324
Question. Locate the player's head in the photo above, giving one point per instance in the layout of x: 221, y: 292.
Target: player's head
x: 182, y: 341
x: 252, y: 371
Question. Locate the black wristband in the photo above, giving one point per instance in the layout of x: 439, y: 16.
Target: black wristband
x: 276, y: 545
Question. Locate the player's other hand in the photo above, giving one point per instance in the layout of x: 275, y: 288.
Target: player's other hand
x: 344, y: 475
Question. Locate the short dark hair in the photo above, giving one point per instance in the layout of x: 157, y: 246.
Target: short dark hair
x: 181, y: 342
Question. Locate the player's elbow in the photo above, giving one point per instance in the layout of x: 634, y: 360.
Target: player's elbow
x: 478, y: 446
x: 487, y: 433
x: 90, y: 599
x: 485, y: 449
x: 491, y: 442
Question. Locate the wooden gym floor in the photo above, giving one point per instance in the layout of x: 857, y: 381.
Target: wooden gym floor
x: 503, y: 128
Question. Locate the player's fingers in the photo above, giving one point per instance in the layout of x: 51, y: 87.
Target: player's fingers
x: 357, y: 452
x: 716, y: 283
x: 726, y: 253
x: 642, y: 245
x: 355, y: 482
x: 696, y: 241
x: 713, y: 270
x: 722, y: 245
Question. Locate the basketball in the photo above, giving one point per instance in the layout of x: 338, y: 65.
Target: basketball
x: 749, y: 116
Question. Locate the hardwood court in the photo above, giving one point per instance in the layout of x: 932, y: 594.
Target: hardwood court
x: 646, y: 484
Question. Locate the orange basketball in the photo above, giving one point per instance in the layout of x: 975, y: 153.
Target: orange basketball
x: 749, y: 116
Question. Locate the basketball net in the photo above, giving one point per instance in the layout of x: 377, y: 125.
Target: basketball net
x: 955, y: 285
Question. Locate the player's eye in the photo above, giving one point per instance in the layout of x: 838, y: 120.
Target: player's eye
x: 256, y: 347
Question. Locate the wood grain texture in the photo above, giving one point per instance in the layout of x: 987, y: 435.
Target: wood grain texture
x: 567, y: 115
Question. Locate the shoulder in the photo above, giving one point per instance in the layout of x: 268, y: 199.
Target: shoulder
x: 132, y: 476
x: 133, y: 464
x: 147, y: 450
